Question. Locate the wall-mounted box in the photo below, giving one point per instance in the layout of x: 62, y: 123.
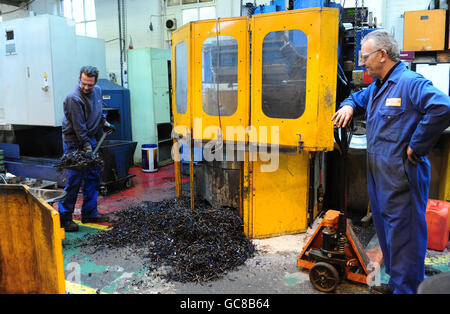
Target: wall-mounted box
x: 424, y: 30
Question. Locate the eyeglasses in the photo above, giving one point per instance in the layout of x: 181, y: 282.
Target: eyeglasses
x: 86, y: 84
x: 365, y: 56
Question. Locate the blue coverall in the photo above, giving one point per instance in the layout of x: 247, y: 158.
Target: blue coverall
x: 83, y: 117
x: 406, y: 110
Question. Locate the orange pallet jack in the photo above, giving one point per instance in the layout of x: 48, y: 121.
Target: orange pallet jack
x: 334, y: 252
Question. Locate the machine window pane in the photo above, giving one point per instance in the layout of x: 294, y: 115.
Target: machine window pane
x: 181, y: 77
x: 284, y: 59
x: 219, y: 75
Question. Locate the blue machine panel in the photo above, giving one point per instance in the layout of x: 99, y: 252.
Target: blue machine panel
x: 305, y: 4
x: 274, y: 6
x: 280, y: 5
x: 116, y: 101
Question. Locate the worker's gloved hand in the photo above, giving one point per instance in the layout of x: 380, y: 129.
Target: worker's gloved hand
x: 108, y: 128
x: 88, y: 150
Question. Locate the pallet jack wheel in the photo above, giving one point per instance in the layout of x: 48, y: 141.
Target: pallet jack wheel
x: 324, y: 277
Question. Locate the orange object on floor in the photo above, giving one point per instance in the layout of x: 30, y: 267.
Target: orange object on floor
x: 437, y: 215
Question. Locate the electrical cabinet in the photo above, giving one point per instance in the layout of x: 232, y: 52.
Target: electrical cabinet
x: 424, y: 30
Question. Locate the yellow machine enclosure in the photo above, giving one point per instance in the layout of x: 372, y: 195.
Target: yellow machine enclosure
x: 273, y: 202
x: 31, y: 259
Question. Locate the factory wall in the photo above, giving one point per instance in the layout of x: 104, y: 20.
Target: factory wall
x: 139, y: 14
x: 389, y: 15
x: 137, y: 19
x: 10, y: 12
x: 46, y: 6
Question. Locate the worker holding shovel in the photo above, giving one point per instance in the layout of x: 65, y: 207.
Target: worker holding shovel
x: 83, y: 117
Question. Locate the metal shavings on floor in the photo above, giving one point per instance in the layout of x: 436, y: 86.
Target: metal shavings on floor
x: 198, y: 245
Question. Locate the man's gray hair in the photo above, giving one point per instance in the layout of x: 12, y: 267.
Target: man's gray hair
x: 382, y: 39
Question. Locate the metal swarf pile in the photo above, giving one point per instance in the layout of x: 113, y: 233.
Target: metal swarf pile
x: 200, y: 245
x: 79, y: 160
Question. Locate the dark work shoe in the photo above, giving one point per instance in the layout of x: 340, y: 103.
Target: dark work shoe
x: 98, y: 218
x: 381, y: 289
x: 69, y: 226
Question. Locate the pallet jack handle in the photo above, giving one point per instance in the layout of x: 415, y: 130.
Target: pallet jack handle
x: 342, y: 136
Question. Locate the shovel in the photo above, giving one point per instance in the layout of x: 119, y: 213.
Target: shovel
x: 100, y: 143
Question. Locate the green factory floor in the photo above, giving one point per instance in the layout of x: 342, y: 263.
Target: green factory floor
x: 120, y: 271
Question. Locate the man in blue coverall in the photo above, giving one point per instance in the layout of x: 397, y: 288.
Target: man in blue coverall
x: 405, y: 116
x: 83, y: 117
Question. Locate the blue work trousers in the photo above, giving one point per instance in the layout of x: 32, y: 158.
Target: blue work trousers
x: 398, y: 193
x: 89, y: 179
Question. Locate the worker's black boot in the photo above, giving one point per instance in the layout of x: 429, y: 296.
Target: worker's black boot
x: 69, y: 226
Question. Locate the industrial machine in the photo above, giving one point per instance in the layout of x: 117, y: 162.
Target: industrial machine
x: 40, y: 57
x: 258, y: 143
x: 254, y: 96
